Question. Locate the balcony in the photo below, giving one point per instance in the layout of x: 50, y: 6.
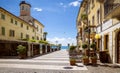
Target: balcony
x: 112, y: 9
x: 92, y: 31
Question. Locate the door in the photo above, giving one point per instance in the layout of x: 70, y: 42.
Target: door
x: 118, y: 47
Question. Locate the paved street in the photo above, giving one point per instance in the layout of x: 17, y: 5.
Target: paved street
x: 56, y: 62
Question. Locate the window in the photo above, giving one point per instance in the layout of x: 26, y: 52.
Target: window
x: 3, y: 16
x: 11, y: 20
x: 12, y: 33
x: 26, y: 9
x: 16, y: 22
x: 93, y: 20
x: 21, y: 24
x: 92, y: 1
x: 21, y: 35
x: 3, y: 30
x: 98, y: 17
x: 93, y: 4
x: 33, y: 38
x: 37, y: 27
x: 41, y: 30
x: 37, y: 38
x: 89, y: 22
x: 27, y: 36
x: 22, y: 7
x: 41, y: 39
x: 33, y: 30
x: 106, y: 42
x: 27, y: 27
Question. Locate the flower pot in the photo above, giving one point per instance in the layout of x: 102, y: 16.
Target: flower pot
x: 93, y: 60
x: 86, y: 52
x: 72, y: 62
x: 85, y: 61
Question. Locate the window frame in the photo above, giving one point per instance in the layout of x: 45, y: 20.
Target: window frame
x: 3, y: 31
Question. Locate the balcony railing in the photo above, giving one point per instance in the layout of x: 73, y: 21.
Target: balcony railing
x: 109, y: 7
x: 92, y: 29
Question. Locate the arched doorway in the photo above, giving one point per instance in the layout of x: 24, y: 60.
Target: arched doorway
x: 118, y: 47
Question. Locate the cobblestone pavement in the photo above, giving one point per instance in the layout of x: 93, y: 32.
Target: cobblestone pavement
x: 56, y: 62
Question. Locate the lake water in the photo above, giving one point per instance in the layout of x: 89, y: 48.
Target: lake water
x: 64, y: 47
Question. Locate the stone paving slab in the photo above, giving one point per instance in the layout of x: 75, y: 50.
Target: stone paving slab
x: 58, y: 60
x: 46, y: 67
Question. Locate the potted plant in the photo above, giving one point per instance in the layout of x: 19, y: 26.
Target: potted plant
x: 21, y: 50
x: 72, y: 61
x: 85, y: 60
x: 93, y: 46
x: 93, y: 60
x: 72, y: 50
x: 84, y: 46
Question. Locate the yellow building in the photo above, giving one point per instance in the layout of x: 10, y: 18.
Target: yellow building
x: 103, y: 18
x: 22, y: 27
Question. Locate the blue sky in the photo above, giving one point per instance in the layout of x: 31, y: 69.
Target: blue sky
x: 58, y: 17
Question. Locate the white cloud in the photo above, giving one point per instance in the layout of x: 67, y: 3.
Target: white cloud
x: 75, y: 3
x: 63, y: 41
x: 38, y: 9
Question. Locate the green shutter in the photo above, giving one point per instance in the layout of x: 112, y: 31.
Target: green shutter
x: 3, y: 30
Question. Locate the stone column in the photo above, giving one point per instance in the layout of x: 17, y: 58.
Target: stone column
x: 29, y: 51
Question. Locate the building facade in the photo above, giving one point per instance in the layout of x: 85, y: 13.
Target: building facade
x: 103, y: 18
x: 22, y: 27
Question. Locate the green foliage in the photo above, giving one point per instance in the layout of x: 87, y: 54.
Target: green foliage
x: 84, y: 16
x: 32, y: 40
x: 93, y: 45
x: 21, y: 49
x: 72, y: 48
x: 84, y: 46
x: 72, y: 59
x: 45, y: 33
x: 94, y: 57
x: 43, y: 42
x: 85, y: 57
x: 24, y: 39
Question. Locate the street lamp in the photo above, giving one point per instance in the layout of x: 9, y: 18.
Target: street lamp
x: 97, y: 36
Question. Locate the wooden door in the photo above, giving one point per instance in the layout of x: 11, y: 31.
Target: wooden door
x: 118, y: 48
